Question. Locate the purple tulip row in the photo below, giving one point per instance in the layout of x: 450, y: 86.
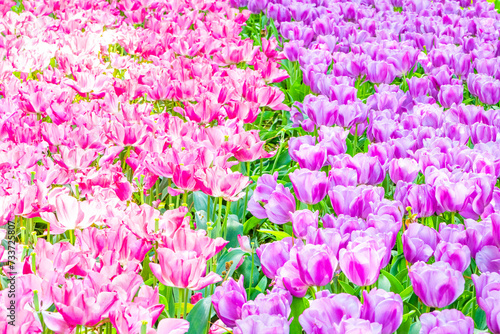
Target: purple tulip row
x: 403, y: 115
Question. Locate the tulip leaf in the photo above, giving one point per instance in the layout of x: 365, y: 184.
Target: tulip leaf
x: 298, y: 306
x: 396, y: 286
x: 235, y: 255
x: 199, y: 316
x: 406, y: 294
x: 480, y: 319
x: 246, y: 270
x: 250, y: 224
x: 414, y: 308
x: 262, y: 284
x: 146, y: 270
x: 234, y: 227
x: 278, y: 234
x: 348, y: 288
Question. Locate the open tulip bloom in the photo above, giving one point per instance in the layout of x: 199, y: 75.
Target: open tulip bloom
x: 249, y: 166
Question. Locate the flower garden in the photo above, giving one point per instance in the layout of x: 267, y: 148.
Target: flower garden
x: 249, y: 166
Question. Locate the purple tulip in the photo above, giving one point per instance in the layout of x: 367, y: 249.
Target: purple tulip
x: 418, y: 86
x: 355, y: 325
x: 351, y: 114
x: 228, y: 300
x: 375, y: 238
x: 354, y: 201
x: 446, y: 321
x: 488, y: 259
x: 486, y: 284
x: 328, y: 310
x: 405, y: 169
x: 419, y: 242
x: 343, y: 94
x: 385, y: 308
x: 368, y: 169
x: 450, y: 94
x: 312, y: 157
x: 316, y: 264
x: 310, y: 186
x: 280, y: 204
x: 362, y: 263
x: 282, y: 14
x: 482, y: 133
x: 277, y: 302
x: 289, y: 275
x: 333, y: 139
x: 257, y: 6
x: 438, y: 284
x: 302, y: 220
x: 297, y: 31
x: 266, y: 185
x: 320, y: 110
x: 380, y: 72
x: 263, y: 324
x: 454, y: 233
x: 344, y: 223
x: 331, y: 237
x: 455, y: 254
x: 381, y: 129
x: 451, y: 196
x: 342, y: 177
x: 479, y: 235
x: 489, y: 92
x: 274, y: 255
x: 295, y: 143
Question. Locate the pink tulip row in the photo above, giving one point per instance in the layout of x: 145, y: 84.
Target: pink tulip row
x: 101, y: 103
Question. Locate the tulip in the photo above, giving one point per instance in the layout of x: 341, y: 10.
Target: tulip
x: 438, y: 284
x: 310, y: 187
x: 265, y: 324
x: 219, y: 182
x: 450, y: 94
x: 316, y: 264
x: 355, y: 325
x: 280, y: 205
x: 320, y: 110
x: 455, y: 254
x: 385, y: 308
x: 419, y: 242
x: 330, y: 237
x: 311, y: 157
x: 485, y: 285
x: 488, y: 259
x: 418, y: 86
x: 184, y: 269
x: 446, y: 321
x: 277, y: 302
x: 328, y: 310
x: 362, y: 263
x: 302, y: 220
x: 453, y: 233
x: 274, y: 255
x: 479, y: 235
x: 228, y: 300
x: 405, y: 170
x: 173, y: 326
x: 380, y: 72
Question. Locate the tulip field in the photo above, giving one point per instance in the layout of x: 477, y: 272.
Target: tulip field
x: 249, y: 166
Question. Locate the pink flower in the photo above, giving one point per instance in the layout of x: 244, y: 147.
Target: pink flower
x: 182, y: 269
x: 220, y: 182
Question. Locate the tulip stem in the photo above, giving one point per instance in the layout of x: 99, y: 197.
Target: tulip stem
x: 246, y: 195
x: 48, y: 232
x: 208, y: 210
x: 355, y: 143
x: 72, y: 236
x: 220, y: 212
x: 186, y: 292
x: 224, y: 225
x: 251, y: 271
x: 184, y: 198
x: 312, y: 292
x: 452, y: 218
x: 179, y: 304
x: 277, y: 155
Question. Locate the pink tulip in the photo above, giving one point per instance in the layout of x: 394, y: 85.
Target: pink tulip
x: 183, y: 269
x: 219, y: 182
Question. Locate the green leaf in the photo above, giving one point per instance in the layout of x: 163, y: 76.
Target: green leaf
x: 262, y: 284
x: 199, y: 316
x: 278, y: 234
x: 235, y: 255
x: 406, y: 294
x: 146, y: 270
x: 396, y: 286
x: 298, y: 306
x: 234, y: 227
x: 246, y: 270
x: 348, y: 288
x: 404, y: 328
x: 250, y: 224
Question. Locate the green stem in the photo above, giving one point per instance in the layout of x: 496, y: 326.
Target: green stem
x: 224, y: 225
x: 208, y: 209
x: 246, y: 195
x: 184, y: 198
x: 277, y: 157
x: 186, y: 292
x: 72, y: 237
x: 452, y: 218
x: 355, y: 144
x: 251, y: 272
x: 169, y: 183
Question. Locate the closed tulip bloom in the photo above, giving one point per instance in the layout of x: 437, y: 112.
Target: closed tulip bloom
x: 277, y: 302
x: 343, y: 177
x: 483, y: 133
x: 331, y: 237
x: 450, y: 94
x: 405, y: 169
x: 263, y: 324
x: 310, y: 187
x: 420, y: 197
x: 362, y: 263
x: 328, y: 310
x: 182, y: 270
x: 302, y: 220
x: 312, y: 157
x: 343, y: 94
x: 419, y: 242
x: 453, y: 233
x: 489, y: 92
x: 354, y: 201
x: 446, y: 321
x: 274, y: 255
x: 438, y: 284
x: 280, y: 205
x: 418, y: 86
x: 295, y: 143
x: 385, y: 308
x: 485, y: 285
x: 380, y: 72
x: 320, y: 110
x: 451, y: 196
x: 455, y: 254
x: 356, y: 325
x: 479, y: 235
x: 316, y: 264
x: 488, y: 259
x: 333, y: 139
x: 228, y: 300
